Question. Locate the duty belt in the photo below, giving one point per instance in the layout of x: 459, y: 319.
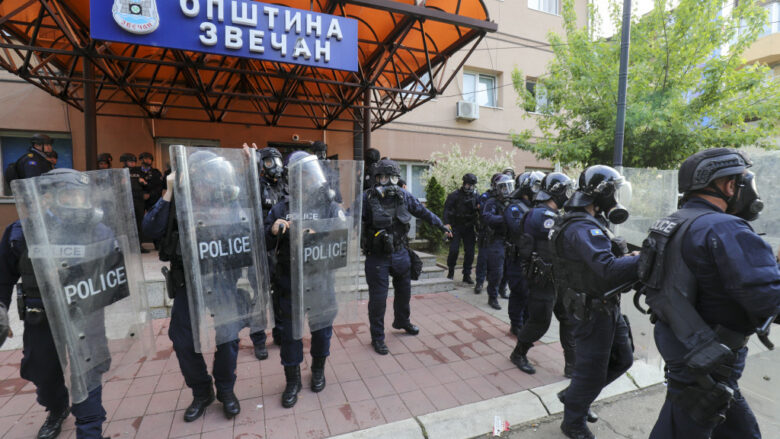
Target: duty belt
x: 732, y: 339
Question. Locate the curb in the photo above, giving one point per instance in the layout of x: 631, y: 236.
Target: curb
x: 471, y: 420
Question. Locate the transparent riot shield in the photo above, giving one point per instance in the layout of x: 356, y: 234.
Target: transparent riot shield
x: 654, y: 196
x: 217, y: 197
x: 325, y: 218
x: 81, y: 237
x: 765, y: 165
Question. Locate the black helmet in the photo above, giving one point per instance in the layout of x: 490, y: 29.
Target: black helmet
x: 105, y: 157
x: 470, y: 179
x: 320, y: 149
x: 700, y: 170
x: 127, y: 157
x: 213, y: 179
x: 531, y: 185
x: 493, y: 180
x: 72, y: 197
x: 40, y: 139
x: 556, y: 186
x: 372, y: 155
x: 509, y: 171
x: 704, y: 167
x: 145, y: 155
x: 505, y: 186
x: 312, y: 176
x: 387, y: 167
x: 269, y: 161
x: 604, y: 187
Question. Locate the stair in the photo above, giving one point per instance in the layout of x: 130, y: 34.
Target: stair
x: 433, y: 279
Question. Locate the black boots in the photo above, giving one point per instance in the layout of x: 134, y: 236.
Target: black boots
x: 198, y: 406
x: 317, y: 374
x: 380, y: 347
x: 478, y: 288
x: 591, y: 417
x: 290, y: 394
x: 568, y: 345
x: 493, y: 303
x: 581, y: 432
x: 408, y: 327
x: 261, y: 353
x: 519, y: 359
x: 230, y: 405
x: 451, y: 273
x: 503, y: 294
x: 467, y: 279
x: 53, y: 424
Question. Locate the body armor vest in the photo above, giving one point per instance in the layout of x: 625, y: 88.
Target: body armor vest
x: 466, y: 208
x: 27, y: 273
x: 388, y: 215
x: 270, y: 194
x: 668, y: 284
x: 577, y: 275
x: 499, y: 232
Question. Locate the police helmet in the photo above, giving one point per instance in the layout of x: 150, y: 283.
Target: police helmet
x: 509, y: 171
x: 127, y: 157
x: 105, y: 157
x: 386, y: 172
x: 702, y: 168
x: 604, y: 187
x: 40, y: 139
x: 531, y: 185
x: 494, y: 179
x: 145, y: 155
x: 213, y: 178
x: 505, y: 186
x: 71, y: 196
x: 372, y: 155
x: 556, y: 186
x: 306, y: 169
x: 319, y: 149
x: 270, y: 162
x: 470, y: 179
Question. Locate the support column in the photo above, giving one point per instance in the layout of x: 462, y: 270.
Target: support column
x: 90, y: 116
x: 366, y: 123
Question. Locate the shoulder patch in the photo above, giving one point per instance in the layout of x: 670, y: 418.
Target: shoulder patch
x: 550, y: 213
x: 549, y: 223
x: 30, y: 155
x: 596, y: 232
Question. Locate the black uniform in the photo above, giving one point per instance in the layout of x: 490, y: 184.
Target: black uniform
x: 154, y: 185
x: 461, y: 212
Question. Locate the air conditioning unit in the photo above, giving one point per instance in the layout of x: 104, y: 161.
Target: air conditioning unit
x: 468, y: 110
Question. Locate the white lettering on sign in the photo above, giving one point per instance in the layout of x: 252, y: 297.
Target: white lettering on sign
x: 91, y: 287
x: 664, y: 226
x: 245, y: 15
x: 57, y: 251
x: 325, y: 251
x: 221, y: 248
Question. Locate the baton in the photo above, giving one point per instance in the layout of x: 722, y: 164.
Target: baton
x: 763, y: 332
x: 619, y: 289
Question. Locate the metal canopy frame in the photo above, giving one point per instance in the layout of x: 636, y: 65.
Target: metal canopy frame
x: 47, y: 43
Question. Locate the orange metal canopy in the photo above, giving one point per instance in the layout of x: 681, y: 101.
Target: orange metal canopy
x: 404, y: 48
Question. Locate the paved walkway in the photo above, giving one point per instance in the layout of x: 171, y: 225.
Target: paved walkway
x: 459, y: 358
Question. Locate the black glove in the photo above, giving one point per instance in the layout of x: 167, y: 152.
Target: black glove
x: 708, y: 357
x: 5, y: 326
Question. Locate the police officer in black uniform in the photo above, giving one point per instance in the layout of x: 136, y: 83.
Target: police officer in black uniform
x: 104, y: 160
x: 591, y: 269
x: 481, y: 271
x: 273, y: 188
x: 461, y: 213
x: 153, y: 178
x: 34, y: 162
x: 161, y: 223
x: 387, y: 212
x: 531, y: 232
x: 40, y: 363
x: 718, y: 282
x: 493, y: 217
x: 137, y: 187
x: 372, y: 157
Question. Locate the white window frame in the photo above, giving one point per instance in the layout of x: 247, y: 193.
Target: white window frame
x: 552, y: 7
x: 472, y: 97
x: 773, y: 26
x: 408, y: 179
x: 537, y: 86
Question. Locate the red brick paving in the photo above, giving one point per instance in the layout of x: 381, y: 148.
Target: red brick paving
x: 460, y: 357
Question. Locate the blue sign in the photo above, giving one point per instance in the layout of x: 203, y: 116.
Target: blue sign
x: 242, y: 28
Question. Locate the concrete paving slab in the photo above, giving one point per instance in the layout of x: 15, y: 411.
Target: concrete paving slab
x: 477, y: 419
x: 645, y: 375
x: 406, y: 429
x: 549, y: 396
x: 617, y: 387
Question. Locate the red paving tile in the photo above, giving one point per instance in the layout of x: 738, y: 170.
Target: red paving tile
x: 460, y: 357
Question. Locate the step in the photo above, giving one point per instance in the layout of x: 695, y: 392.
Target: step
x: 422, y: 286
x: 427, y: 259
x: 427, y: 273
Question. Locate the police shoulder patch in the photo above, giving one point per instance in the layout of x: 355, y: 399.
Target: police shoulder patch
x: 548, y: 223
x: 596, y: 232
x: 550, y: 213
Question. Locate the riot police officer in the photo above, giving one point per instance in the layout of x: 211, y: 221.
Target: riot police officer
x: 104, y: 160
x: 40, y: 363
x: 591, y: 269
x: 161, y: 223
x: 372, y: 157
x: 717, y: 282
x: 531, y: 232
x: 277, y: 225
x: 34, y: 162
x: 387, y: 212
x: 153, y: 178
x: 493, y: 216
x: 273, y: 188
x: 481, y: 272
x: 461, y: 213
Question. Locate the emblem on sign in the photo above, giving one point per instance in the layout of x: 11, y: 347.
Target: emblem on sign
x: 136, y: 16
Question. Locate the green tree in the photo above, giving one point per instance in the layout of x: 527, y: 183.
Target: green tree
x: 434, y: 195
x: 688, y: 86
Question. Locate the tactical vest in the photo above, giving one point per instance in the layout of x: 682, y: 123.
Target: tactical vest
x: 520, y: 244
x: 29, y: 282
x: 466, y: 208
x: 170, y: 248
x: 392, y: 216
x: 499, y: 232
x: 577, y: 275
x: 270, y: 194
x: 668, y: 284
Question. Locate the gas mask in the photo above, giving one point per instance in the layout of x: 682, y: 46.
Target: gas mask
x: 386, y: 185
x: 468, y: 188
x: 612, y: 197
x: 746, y: 202
x: 74, y: 207
x: 272, y: 167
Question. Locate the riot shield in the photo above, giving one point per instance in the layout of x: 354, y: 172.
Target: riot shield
x: 765, y: 165
x: 217, y: 197
x: 325, y: 218
x: 654, y: 195
x: 82, y: 239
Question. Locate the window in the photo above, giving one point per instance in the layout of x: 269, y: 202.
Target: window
x: 549, y: 6
x: 163, y: 159
x: 480, y: 88
x: 412, y: 174
x: 13, y: 145
x: 539, y: 105
x: 773, y: 25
